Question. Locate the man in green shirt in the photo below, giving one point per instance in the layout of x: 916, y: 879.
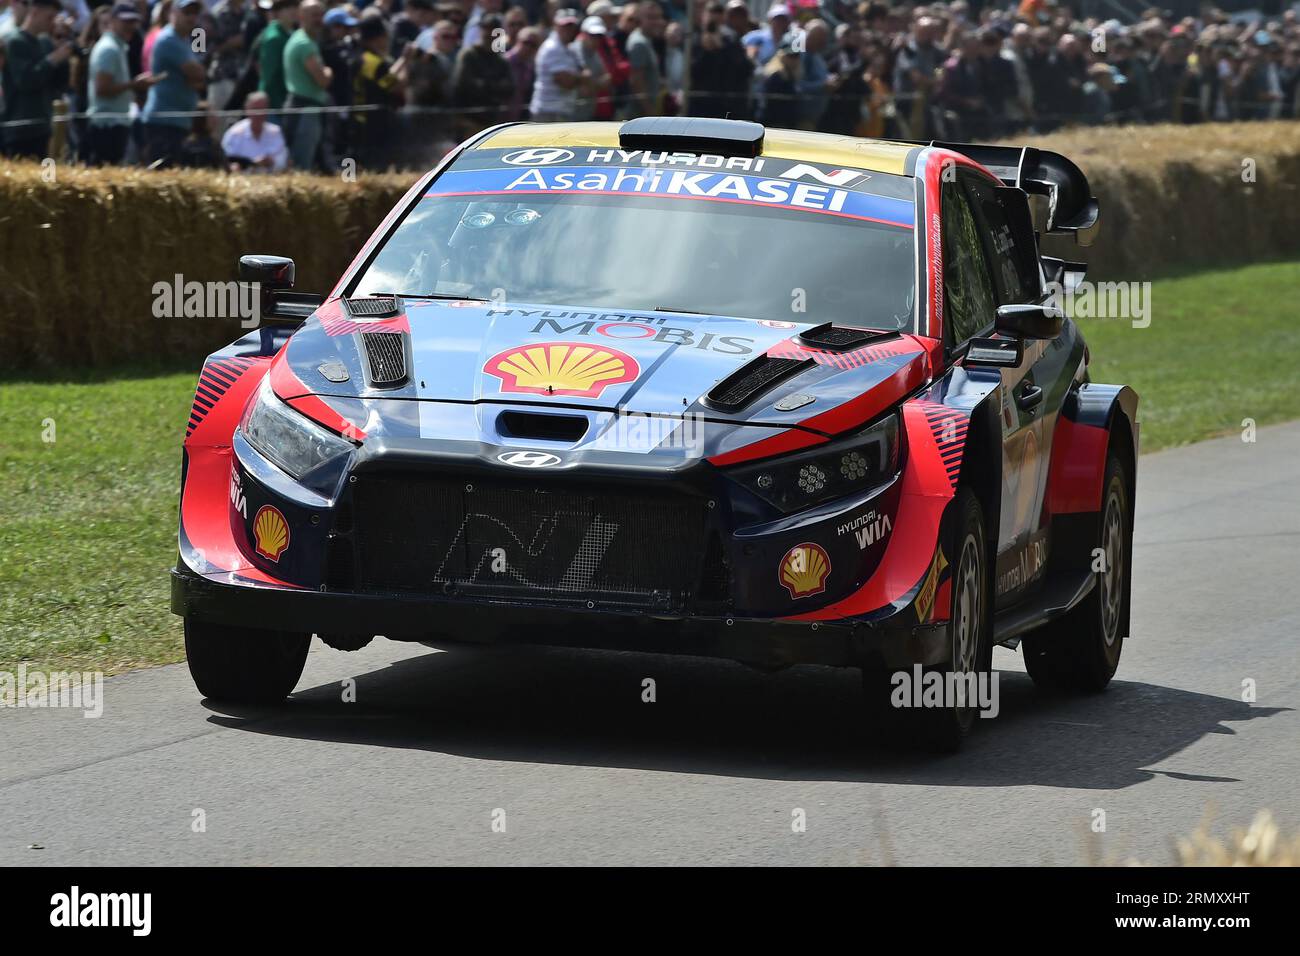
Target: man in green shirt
x: 270, y: 50
x: 307, y: 79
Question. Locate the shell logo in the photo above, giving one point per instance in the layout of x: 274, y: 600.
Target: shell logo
x: 562, y: 368
x: 270, y: 532
x: 804, y: 570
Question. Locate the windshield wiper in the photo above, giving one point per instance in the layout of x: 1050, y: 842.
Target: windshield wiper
x: 448, y: 296
x: 664, y: 308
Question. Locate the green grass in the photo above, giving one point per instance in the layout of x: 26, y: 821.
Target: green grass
x: 1221, y: 347
x: 88, y: 521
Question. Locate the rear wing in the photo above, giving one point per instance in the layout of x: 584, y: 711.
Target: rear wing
x: 1071, y: 207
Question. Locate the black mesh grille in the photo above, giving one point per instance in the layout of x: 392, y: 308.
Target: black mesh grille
x: 753, y: 379
x: 837, y: 338
x: 415, y: 535
x: 387, y: 357
x: 373, y: 308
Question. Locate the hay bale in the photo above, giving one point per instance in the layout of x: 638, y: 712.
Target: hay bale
x: 79, y: 256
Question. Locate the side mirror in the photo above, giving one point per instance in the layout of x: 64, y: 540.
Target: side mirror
x: 271, y: 272
x: 275, y: 276
x: 1030, y: 321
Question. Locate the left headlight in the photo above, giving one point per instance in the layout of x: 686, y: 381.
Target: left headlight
x: 837, y: 469
x: 289, y: 440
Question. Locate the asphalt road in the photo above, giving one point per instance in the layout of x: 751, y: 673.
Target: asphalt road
x: 412, y: 772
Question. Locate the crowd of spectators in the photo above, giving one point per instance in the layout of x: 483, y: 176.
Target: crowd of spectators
x: 265, y: 85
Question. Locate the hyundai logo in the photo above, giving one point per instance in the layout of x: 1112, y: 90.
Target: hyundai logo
x: 529, y: 459
x: 538, y: 157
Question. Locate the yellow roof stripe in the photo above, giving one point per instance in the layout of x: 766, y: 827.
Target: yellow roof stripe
x: 874, y: 155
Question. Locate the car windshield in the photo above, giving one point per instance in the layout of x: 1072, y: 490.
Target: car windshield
x: 667, y: 253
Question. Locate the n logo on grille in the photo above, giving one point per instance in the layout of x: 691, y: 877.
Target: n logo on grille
x: 529, y: 459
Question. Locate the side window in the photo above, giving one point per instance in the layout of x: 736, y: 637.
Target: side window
x: 1014, y: 269
x: 966, y: 285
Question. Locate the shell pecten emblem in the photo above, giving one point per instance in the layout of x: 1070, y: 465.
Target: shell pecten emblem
x: 270, y: 532
x: 562, y: 368
x: 804, y: 570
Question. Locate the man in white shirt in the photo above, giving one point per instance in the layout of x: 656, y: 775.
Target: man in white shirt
x: 253, y: 143
x: 560, y: 77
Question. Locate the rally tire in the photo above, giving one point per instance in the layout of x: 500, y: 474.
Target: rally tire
x: 1081, y: 652
x: 243, y: 665
x: 943, y: 729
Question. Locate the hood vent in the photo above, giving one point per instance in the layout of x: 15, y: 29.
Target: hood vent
x: 753, y: 379
x: 385, y: 358
x: 839, y: 338
x: 562, y: 428
x: 382, y: 307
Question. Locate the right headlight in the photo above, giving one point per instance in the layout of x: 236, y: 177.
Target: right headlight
x: 837, y: 469
x: 287, y: 439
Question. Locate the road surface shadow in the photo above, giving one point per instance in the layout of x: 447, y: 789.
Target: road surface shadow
x: 579, y: 708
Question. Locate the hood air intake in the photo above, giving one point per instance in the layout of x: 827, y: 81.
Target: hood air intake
x: 380, y: 307
x: 749, y: 381
x: 835, y: 338
x: 385, y: 358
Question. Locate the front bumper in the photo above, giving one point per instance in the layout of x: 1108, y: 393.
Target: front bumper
x: 888, y: 642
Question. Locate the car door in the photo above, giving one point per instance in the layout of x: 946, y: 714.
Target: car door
x: 972, y: 296
x: 1033, y: 392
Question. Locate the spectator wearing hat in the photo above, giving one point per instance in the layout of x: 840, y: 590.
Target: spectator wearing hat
x: 560, y: 78
x: 168, y: 108
x: 35, y: 69
x: 611, y: 54
x: 762, y: 44
x: 254, y: 143
x: 647, y: 74
x: 482, y: 84
x: 338, y: 52
x: 270, y: 51
x: 112, y: 88
x: 598, y: 103
x: 1098, y: 92
x: 307, y: 79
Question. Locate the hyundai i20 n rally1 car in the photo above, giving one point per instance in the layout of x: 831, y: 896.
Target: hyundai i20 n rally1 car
x: 683, y: 386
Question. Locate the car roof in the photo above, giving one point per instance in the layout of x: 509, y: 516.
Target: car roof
x: 873, y: 155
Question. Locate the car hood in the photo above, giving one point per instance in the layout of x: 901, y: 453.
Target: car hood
x: 470, y: 353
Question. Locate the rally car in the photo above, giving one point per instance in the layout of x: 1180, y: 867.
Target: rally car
x: 683, y: 386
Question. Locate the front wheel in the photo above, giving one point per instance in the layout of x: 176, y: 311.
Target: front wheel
x: 242, y: 664
x: 967, y: 675
x: 1081, y: 652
